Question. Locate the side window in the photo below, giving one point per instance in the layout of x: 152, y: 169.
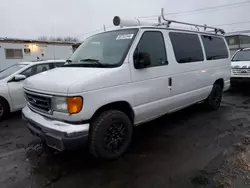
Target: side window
x: 36, y: 69
x: 215, y: 47
x: 187, y: 47
x: 42, y: 68
x: 152, y: 43
x: 29, y: 72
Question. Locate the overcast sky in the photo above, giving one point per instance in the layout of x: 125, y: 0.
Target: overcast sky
x: 33, y: 18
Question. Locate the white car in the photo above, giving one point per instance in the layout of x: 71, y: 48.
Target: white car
x: 122, y: 78
x: 11, y: 83
x: 240, y: 66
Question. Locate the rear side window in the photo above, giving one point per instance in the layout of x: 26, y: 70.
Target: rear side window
x: 187, y: 47
x: 215, y: 47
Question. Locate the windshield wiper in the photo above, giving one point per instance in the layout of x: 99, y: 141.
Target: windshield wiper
x: 80, y: 63
x: 96, y: 61
x: 90, y: 60
x: 68, y: 62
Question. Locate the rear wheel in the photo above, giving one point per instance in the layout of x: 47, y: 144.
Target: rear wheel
x: 110, y: 135
x: 214, y: 99
x: 4, y: 109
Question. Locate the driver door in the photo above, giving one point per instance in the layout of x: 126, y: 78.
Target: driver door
x: 16, y: 88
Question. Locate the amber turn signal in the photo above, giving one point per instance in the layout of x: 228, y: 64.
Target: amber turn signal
x: 74, y: 104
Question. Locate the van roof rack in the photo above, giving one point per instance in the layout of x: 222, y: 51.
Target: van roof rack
x: 205, y: 27
x: 117, y: 21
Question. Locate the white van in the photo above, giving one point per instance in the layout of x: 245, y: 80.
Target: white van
x: 122, y: 78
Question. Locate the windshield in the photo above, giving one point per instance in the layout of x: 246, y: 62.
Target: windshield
x: 104, y: 50
x: 6, y: 72
x: 242, y: 56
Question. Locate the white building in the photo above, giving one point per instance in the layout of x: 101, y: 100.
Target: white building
x: 18, y: 50
x: 238, y: 40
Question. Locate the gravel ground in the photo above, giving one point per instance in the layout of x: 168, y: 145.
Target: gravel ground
x: 190, y: 148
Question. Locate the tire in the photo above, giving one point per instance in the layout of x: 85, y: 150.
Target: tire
x: 214, y: 99
x: 110, y: 135
x: 4, y: 109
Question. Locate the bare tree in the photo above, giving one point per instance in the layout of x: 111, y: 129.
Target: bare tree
x: 52, y: 39
x: 71, y: 39
x: 55, y: 39
x: 43, y: 38
x: 67, y: 39
x: 59, y: 39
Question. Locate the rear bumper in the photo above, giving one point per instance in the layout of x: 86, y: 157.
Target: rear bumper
x: 56, y: 134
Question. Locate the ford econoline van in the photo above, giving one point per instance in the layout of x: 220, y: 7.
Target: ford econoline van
x: 122, y: 78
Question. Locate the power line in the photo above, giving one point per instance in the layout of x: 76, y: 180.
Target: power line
x: 231, y: 5
x: 218, y: 25
x: 235, y: 23
x: 94, y: 31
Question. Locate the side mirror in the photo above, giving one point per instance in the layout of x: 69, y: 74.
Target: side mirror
x: 19, y: 77
x: 141, y: 60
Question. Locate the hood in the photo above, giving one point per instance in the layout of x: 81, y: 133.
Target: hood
x: 58, y: 80
x: 240, y: 63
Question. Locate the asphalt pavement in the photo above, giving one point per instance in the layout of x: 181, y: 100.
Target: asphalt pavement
x: 190, y: 148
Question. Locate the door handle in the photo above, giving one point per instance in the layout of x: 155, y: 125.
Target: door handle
x: 170, y: 83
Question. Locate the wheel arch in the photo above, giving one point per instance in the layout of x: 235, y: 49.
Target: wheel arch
x: 7, y: 102
x: 122, y: 106
x: 220, y: 82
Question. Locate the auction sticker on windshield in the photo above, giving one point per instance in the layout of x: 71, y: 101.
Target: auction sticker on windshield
x: 125, y: 36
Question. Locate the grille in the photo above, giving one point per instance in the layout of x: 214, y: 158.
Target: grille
x: 241, y: 71
x: 38, y: 102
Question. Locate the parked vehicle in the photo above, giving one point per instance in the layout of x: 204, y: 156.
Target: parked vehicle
x: 240, y: 66
x: 14, y: 50
x: 11, y: 83
x: 122, y: 78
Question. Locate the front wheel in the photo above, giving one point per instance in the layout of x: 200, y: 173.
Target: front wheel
x: 110, y: 135
x: 214, y: 99
x: 4, y: 109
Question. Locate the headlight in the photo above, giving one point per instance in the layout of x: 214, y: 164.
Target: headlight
x: 70, y: 105
x: 60, y: 104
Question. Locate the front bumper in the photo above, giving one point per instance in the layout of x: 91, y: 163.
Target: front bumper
x: 235, y: 80
x: 226, y: 85
x: 56, y: 134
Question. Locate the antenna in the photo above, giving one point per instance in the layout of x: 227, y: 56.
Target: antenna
x: 168, y: 22
x: 54, y: 32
